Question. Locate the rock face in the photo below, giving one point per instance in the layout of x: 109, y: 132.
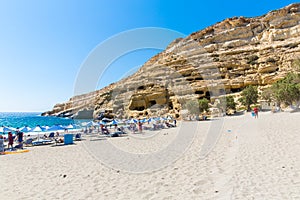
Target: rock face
x: 223, y: 58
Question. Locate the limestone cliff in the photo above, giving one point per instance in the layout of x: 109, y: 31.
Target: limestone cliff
x: 223, y: 58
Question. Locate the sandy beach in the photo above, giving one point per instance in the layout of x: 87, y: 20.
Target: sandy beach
x: 252, y: 159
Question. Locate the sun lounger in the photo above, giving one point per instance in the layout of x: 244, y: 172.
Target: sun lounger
x: 51, y: 136
x: 28, y: 142
x: 42, y: 142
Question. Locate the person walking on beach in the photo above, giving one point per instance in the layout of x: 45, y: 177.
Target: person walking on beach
x: 255, y: 110
x: 140, y: 126
x: 10, y: 140
x: 20, y: 139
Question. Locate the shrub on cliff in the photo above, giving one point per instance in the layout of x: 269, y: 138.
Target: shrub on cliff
x: 192, y: 106
x: 226, y: 103
x: 203, y: 105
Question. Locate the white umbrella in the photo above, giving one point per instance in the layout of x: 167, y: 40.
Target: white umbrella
x: 151, y: 120
x: 45, y: 128
x: 106, y: 120
x: 143, y: 120
x: 83, y: 123
x: 25, y: 129
x: 70, y: 126
x: 91, y: 123
x: 4, y: 129
x: 169, y: 118
x: 114, y: 122
x: 132, y: 121
x: 37, y: 129
x: 103, y: 122
x: 56, y: 128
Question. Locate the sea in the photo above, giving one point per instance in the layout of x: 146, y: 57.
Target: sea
x: 32, y: 119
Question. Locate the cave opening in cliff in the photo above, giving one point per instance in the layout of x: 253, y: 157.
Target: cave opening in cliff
x: 140, y: 108
x: 199, y: 92
x: 141, y: 87
x: 152, y: 103
x: 170, y: 105
x: 199, y: 78
x: 234, y: 90
x: 207, y: 95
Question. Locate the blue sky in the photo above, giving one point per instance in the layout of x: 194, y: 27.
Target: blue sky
x: 44, y: 43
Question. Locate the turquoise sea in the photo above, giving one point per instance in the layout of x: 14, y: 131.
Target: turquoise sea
x: 31, y: 119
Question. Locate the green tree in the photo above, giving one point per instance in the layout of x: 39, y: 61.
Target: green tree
x: 203, y: 105
x: 267, y: 94
x: 287, y: 90
x: 192, y: 106
x: 249, y: 96
x: 226, y: 103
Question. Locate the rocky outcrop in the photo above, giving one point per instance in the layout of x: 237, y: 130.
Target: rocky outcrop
x: 223, y: 58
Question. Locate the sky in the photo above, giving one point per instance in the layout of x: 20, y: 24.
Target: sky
x: 43, y: 44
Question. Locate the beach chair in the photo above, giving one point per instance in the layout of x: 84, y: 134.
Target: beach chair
x: 42, y: 142
x: 51, y: 136
x: 28, y: 142
x: 77, y: 137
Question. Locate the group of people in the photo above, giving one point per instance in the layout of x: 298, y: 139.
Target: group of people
x: 11, y: 139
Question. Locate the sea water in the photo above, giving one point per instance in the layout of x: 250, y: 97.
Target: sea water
x: 32, y: 119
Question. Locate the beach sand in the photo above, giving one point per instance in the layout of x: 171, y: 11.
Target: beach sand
x: 252, y: 159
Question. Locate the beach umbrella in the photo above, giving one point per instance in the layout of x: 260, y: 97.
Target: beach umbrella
x: 45, y: 128
x: 25, y: 129
x: 106, y: 119
x: 37, y: 129
x: 169, y: 118
x: 70, y: 126
x: 102, y: 122
x: 56, y: 128
x: 114, y: 122
x: 151, y: 120
x: 159, y: 119
x: 4, y: 129
x: 143, y: 120
x: 132, y: 121
x: 83, y: 123
x: 92, y: 123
